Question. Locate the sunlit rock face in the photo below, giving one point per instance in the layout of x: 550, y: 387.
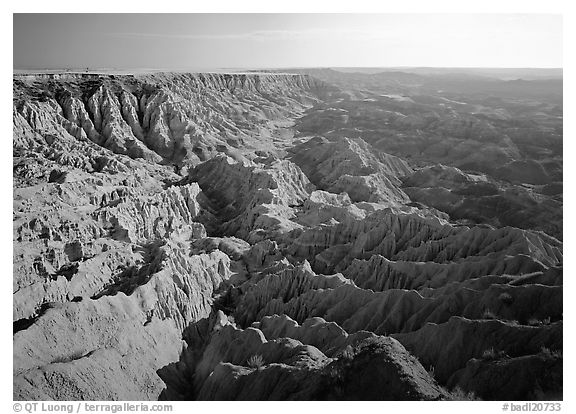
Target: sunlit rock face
x: 352, y: 166
x: 277, y: 236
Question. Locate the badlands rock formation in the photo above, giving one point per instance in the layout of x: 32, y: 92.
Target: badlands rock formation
x: 477, y: 198
x: 265, y: 236
x: 353, y: 167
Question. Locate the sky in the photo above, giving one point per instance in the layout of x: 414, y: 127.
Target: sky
x: 211, y: 41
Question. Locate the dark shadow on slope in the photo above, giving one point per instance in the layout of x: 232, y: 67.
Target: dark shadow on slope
x: 133, y: 276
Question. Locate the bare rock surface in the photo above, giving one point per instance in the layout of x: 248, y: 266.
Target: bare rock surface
x: 353, y: 166
x: 285, y: 236
x: 476, y: 198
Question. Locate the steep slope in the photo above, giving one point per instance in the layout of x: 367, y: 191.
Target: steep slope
x: 130, y: 330
x: 476, y: 198
x: 511, y: 129
x: 251, y: 198
x: 351, y: 166
x: 192, y: 236
x: 279, y: 360
x: 105, y: 276
x: 181, y: 118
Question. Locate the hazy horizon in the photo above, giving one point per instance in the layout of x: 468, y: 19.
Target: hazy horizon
x: 286, y: 41
x: 299, y: 67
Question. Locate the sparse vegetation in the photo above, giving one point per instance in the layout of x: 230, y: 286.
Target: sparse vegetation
x: 347, y: 353
x: 460, y: 395
x: 490, y: 354
x: 255, y: 362
x: 355, y: 291
x: 231, y: 320
x: 506, y: 298
x: 538, y: 322
x: 545, y: 351
x: 488, y: 314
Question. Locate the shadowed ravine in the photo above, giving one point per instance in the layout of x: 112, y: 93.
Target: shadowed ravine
x: 270, y: 236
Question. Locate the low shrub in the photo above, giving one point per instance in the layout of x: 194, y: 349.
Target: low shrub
x: 459, y: 394
x: 255, y: 362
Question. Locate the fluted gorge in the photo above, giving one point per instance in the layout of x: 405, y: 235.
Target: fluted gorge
x: 281, y: 236
x: 134, y: 324
x: 249, y: 199
x: 184, y: 118
x: 352, y: 166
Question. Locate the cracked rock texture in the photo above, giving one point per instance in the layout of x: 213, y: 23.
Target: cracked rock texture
x: 314, y: 235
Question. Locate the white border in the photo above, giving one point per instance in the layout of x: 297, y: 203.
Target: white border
x: 301, y: 6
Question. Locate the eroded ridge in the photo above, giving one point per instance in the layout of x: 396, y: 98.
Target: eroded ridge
x: 250, y: 236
